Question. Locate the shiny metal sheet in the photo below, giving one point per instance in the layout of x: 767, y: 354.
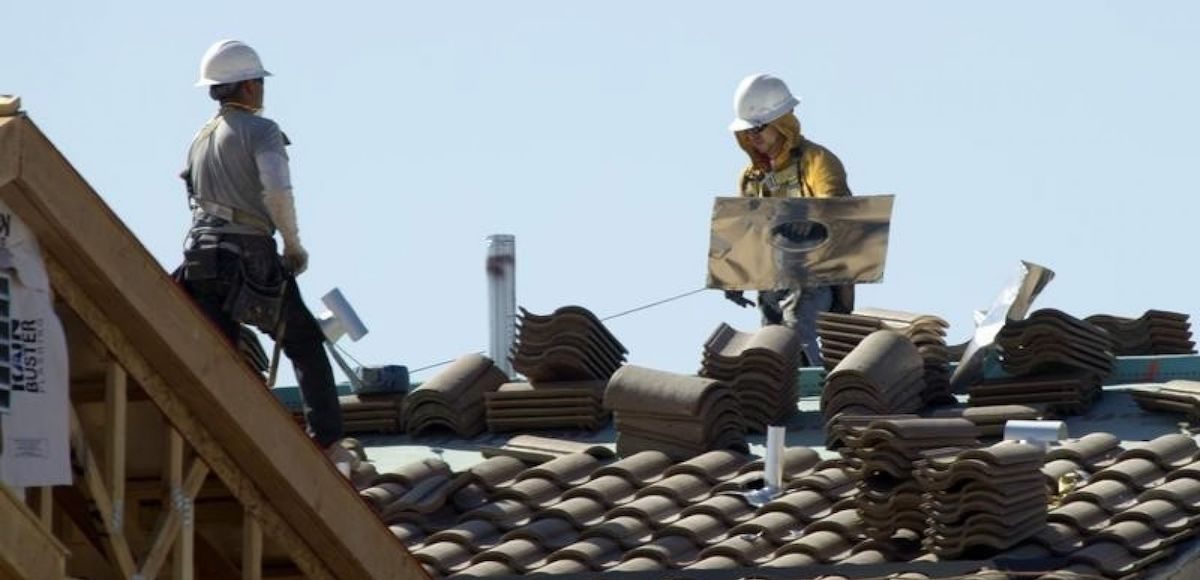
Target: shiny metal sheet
x: 787, y: 243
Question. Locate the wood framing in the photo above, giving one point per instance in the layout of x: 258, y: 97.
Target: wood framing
x: 160, y: 340
x: 27, y: 548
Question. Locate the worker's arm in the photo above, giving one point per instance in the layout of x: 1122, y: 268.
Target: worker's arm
x: 825, y: 175
x: 276, y: 178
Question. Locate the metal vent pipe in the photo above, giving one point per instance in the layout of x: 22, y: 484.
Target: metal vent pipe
x: 502, y: 298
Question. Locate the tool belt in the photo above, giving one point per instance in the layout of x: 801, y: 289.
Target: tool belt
x: 247, y: 269
x: 232, y: 215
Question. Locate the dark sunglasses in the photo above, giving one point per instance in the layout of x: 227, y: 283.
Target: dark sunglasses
x: 758, y: 129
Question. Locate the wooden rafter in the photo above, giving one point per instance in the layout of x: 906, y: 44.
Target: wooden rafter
x: 27, y: 548
x: 252, y: 548
x: 114, y: 540
x: 115, y: 425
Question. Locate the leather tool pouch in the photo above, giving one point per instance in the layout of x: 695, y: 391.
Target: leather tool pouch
x: 256, y: 304
x: 200, y: 263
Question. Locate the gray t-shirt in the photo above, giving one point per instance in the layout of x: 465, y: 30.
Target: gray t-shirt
x: 223, y: 169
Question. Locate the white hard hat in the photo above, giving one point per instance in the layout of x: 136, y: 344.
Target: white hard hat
x: 230, y: 61
x: 760, y: 99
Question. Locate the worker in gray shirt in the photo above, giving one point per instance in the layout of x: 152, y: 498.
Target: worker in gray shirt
x: 240, y: 193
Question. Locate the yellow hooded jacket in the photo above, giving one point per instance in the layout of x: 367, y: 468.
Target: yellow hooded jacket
x: 803, y: 168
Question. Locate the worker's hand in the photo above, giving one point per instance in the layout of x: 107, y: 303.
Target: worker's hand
x: 738, y: 297
x: 295, y: 259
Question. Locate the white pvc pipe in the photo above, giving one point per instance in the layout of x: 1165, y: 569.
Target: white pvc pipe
x: 502, y: 298
x: 773, y: 467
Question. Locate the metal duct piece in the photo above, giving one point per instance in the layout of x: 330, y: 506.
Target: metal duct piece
x: 788, y: 243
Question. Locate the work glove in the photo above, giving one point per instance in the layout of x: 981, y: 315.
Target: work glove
x: 295, y: 258
x: 738, y: 297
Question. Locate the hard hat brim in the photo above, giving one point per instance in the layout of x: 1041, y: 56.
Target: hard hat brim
x: 211, y: 82
x: 741, y: 125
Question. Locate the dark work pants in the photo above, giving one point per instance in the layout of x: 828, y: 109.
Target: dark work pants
x: 303, y: 341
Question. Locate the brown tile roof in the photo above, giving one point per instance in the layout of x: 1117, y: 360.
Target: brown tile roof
x: 580, y: 514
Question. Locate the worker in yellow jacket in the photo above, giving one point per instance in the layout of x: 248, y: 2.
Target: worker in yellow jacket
x: 783, y: 163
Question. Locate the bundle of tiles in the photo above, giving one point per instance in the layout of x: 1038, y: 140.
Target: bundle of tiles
x: 565, y: 405
x: 883, y: 375
x: 992, y: 418
x: 1177, y: 396
x: 982, y: 500
x: 1051, y: 340
x: 1155, y: 332
x: 841, y: 333
x: 1070, y: 393
x: 453, y: 399
x: 1054, y: 358
x: 760, y: 367
x: 381, y: 413
x: 680, y: 415
x: 884, y: 452
x: 569, y: 345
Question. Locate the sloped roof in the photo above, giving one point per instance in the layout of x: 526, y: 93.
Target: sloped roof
x: 1133, y: 504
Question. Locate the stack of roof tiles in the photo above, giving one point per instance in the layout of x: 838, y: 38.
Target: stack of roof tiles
x: 1055, y: 359
x: 761, y: 367
x: 1155, y: 332
x: 1051, y: 340
x: 681, y: 415
x: 982, y: 500
x: 565, y: 405
x: 372, y: 413
x: 569, y: 345
x: 453, y: 399
x: 883, y: 375
x: 889, y: 498
x: 366, y: 414
x: 992, y: 418
x: 1173, y: 397
x: 841, y: 333
x: 582, y: 514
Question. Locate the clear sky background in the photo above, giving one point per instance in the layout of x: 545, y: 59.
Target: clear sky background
x: 1063, y: 133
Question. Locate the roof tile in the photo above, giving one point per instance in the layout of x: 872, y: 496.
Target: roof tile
x: 520, y: 554
x: 699, y: 529
x: 824, y: 546
x: 638, y: 469
x: 627, y: 531
x: 609, y: 490
x: 652, y: 508
x: 595, y: 553
x: 670, y: 551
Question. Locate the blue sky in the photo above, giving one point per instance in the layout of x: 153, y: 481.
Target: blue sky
x: 1062, y: 133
